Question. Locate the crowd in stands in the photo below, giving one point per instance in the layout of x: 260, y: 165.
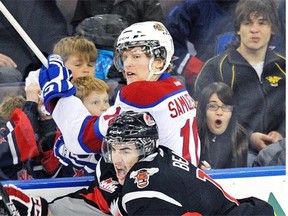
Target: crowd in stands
x: 237, y: 81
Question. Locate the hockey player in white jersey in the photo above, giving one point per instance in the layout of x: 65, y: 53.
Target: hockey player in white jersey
x: 143, y: 54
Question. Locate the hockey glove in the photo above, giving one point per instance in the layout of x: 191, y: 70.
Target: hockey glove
x: 26, y: 205
x: 55, y: 82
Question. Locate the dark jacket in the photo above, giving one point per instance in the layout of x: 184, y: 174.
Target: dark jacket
x: 132, y: 10
x: 41, y: 20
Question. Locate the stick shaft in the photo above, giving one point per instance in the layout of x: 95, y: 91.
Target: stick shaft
x: 23, y: 34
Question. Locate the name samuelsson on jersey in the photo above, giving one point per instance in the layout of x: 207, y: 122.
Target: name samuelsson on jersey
x: 181, y: 105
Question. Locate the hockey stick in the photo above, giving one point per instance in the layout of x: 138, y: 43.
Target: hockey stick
x: 23, y: 34
x: 8, y: 205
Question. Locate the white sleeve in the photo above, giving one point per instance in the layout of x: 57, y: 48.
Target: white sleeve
x: 69, y: 115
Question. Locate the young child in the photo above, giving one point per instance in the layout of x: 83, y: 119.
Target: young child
x: 224, y: 141
x: 9, y: 104
x: 79, y: 55
x: 16, y: 136
x: 94, y: 94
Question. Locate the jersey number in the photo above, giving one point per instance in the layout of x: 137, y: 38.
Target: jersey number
x: 204, y: 177
x: 186, y: 134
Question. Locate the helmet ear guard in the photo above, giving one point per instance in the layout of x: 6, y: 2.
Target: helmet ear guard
x: 139, y: 129
x: 150, y: 34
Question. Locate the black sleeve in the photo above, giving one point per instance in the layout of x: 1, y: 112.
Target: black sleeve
x: 31, y: 110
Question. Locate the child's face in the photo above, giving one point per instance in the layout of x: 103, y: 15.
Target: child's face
x: 218, y: 120
x: 80, y: 67
x: 97, y: 102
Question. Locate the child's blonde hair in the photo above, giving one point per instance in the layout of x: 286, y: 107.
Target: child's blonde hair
x: 76, y: 45
x: 9, y: 104
x: 86, y: 85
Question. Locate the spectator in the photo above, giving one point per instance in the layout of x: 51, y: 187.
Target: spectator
x: 39, y: 122
x: 9, y: 74
x: 78, y: 54
x: 255, y: 73
x: 9, y: 104
x: 93, y: 93
x: 272, y: 155
x: 45, y: 130
x: 131, y: 10
x: 224, y: 141
x: 130, y: 181
x: 48, y: 27
x: 143, y: 53
x: 202, y: 29
x: 103, y: 30
x: 16, y: 135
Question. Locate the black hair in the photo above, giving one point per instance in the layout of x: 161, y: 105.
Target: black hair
x: 239, y: 140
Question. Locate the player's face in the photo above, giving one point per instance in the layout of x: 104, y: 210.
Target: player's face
x: 80, y: 67
x: 218, y: 118
x: 96, y: 102
x: 136, y: 64
x: 124, y: 156
x: 255, y: 34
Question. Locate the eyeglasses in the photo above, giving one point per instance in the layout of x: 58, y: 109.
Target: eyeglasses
x: 215, y: 107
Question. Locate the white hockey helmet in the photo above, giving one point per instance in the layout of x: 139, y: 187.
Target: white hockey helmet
x: 152, y: 35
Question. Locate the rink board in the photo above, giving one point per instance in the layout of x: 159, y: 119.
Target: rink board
x: 267, y: 183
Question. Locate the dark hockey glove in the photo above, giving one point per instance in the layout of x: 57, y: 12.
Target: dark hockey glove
x: 55, y: 82
x: 26, y: 205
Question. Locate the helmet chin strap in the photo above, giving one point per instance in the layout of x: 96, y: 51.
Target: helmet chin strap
x: 152, y: 72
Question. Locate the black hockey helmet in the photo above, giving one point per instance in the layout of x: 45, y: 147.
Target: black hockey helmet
x: 130, y: 127
x: 102, y: 29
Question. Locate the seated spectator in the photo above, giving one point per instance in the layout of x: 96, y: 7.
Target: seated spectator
x: 131, y: 10
x: 55, y: 158
x: 45, y: 26
x: 78, y: 54
x: 45, y: 130
x: 137, y: 175
x: 202, y: 29
x: 224, y: 141
x: 16, y: 135
x: 272, y: 155
x: 7, y: 107
x: 9, y: 74
x: 255, y: 73
x: 103, y: 30
x: 93, y: 93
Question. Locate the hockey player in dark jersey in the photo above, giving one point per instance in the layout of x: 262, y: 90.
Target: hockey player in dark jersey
x: 136, y: 176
